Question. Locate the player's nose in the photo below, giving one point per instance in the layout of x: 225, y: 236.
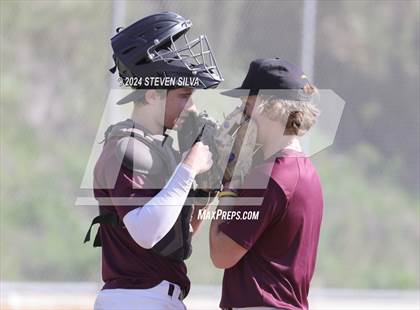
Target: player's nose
x: 190, y: 106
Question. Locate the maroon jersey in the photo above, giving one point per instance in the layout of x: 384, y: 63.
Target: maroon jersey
x: 282, y: 244
x: 125, y: 264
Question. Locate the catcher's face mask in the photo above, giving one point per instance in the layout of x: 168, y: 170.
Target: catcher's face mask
x: 196, y: 55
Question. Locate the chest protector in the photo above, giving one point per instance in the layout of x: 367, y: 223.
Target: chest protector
x: 154, y: 157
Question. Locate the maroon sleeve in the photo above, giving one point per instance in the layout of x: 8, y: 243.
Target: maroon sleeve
x: 130, y: 193
x: 246, y: 232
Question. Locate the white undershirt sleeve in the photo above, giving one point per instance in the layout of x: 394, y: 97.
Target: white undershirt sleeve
x: 147, y: 225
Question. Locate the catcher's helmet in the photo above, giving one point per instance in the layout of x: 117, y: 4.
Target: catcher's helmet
x: 147, y: 48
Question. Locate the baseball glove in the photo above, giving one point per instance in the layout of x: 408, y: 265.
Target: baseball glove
x: 232, y: 143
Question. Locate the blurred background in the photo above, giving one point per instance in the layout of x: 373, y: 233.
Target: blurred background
x: 55, y: 57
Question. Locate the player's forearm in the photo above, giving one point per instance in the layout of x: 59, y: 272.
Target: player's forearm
x: 216, y: 244
x: 147, y: 225
x: 195, y: 220
x: 224, y: 251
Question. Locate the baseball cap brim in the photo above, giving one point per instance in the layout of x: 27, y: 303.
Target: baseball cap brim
x: 239, y: 92
x: 136, y: 95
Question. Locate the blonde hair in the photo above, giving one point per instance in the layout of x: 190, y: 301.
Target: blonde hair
x: 299, y: 116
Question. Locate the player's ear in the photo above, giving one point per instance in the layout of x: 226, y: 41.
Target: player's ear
x: 152, y: 96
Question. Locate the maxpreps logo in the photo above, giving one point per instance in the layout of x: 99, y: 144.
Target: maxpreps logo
x: 227, y: 215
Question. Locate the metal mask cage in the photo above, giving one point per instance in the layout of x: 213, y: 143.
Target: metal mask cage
x: 196, y: 55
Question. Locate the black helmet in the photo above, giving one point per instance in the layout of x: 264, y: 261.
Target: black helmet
x: 148, y: 48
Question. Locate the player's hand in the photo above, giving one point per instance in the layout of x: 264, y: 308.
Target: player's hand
x: 199, y: 158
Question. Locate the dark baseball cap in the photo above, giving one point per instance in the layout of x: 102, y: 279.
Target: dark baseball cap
x: 275, y: 77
